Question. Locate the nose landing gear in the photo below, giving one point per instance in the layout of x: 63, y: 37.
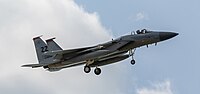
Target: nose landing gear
x: 133, y: 62
x: 97, y: 71
x: 131, y: 53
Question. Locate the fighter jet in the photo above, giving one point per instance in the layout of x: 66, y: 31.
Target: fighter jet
x: 53, y: 58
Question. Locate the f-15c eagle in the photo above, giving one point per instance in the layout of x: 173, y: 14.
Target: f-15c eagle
x: 53, y: 58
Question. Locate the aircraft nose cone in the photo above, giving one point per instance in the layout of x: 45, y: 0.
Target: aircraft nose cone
x: 167, y: 35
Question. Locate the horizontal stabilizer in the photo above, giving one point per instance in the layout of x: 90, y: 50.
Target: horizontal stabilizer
x: 34, y: 65
x: 52, y: 45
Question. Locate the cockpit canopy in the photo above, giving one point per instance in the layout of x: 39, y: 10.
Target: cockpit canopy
x: 143, y: 31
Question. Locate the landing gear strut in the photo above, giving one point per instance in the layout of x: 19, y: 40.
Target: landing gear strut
x: 87, y: 69
x: 131, y: 53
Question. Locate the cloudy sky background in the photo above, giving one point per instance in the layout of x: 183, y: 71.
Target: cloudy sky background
x: 172, y: 67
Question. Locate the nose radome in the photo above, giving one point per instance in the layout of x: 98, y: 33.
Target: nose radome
x: 167, y: 35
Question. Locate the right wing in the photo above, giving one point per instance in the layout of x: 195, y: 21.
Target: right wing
x: 61, y: 52
x: 77, y: 51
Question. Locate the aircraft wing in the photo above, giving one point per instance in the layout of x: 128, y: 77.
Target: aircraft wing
x: 34, y: 65
x: 98, y: 62
x: 81, y: 50
x: 108, y: 59
x: 61, y: 52
x: 72, y: 52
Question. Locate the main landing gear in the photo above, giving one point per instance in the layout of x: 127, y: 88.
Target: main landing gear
x: 131, y: 53
x: 87, y: 69
x: 97, y: 70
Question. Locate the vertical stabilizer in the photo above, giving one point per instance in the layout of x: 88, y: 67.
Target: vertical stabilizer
x: 40, y: 47
x: 52, y: 45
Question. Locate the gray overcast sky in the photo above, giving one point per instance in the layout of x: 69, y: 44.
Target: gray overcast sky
x: 171, y: 67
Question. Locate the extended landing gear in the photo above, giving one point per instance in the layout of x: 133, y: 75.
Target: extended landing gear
x: 131, y: 53
x: 133, y: 62
x: 87, y: 69
x: 97, y: 70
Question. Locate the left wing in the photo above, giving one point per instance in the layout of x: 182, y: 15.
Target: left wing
x: 58, y: 55
x: 34, y: 65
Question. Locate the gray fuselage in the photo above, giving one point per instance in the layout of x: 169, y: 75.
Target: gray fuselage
x: 124, y: 43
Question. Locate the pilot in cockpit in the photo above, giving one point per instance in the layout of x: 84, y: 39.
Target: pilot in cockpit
x: 143, y: 31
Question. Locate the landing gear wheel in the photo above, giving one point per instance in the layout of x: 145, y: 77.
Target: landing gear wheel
x: 131, y: 53
x: 97, y: 71
x: 133, y: 62
x: 87, y: 69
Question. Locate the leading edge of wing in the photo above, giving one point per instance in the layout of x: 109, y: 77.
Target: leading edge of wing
x: 34, y: 65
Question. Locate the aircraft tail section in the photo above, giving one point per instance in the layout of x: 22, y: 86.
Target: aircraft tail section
x: 40, y: 47
x: 52, y: 45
